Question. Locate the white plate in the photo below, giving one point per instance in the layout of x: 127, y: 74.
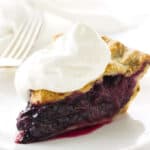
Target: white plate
x: 129, y: 131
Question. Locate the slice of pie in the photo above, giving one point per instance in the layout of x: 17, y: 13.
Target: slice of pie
x: 49, y: 114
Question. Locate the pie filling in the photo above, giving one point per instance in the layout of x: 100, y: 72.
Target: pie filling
x: 78, y: 110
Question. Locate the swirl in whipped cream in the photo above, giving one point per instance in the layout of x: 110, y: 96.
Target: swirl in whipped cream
x: 72, y: 61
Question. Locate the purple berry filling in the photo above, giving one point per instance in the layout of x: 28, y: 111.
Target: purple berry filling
x: 103, y: 101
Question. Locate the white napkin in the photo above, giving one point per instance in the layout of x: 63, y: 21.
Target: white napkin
x: 13, y: 13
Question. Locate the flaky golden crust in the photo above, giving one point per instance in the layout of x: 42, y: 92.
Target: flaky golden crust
x: 124, y: 61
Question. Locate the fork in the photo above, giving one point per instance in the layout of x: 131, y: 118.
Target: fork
x: 23, y: 40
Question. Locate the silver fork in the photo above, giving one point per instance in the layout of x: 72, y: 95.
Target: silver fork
x: 24, y: 39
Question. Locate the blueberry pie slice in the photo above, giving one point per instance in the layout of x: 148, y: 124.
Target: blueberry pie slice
x: 50, y: 113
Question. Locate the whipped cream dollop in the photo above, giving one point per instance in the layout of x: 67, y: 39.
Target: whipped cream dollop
x: 72, y: 61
